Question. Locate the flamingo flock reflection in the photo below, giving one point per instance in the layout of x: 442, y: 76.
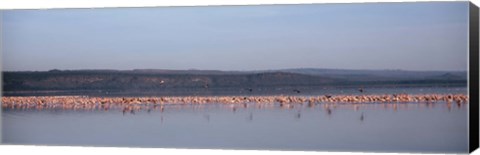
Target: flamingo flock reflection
x: 132, y: 105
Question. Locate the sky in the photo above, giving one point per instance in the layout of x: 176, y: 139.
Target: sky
x: 407, y: 36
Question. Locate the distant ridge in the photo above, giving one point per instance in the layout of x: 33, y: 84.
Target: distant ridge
x: 346, y: 74
x: 361, y: 75
x: 205, y: 80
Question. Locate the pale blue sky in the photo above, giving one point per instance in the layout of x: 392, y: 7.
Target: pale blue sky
x: 409, y: 36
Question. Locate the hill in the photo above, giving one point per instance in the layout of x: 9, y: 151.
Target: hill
x: 171, y: 81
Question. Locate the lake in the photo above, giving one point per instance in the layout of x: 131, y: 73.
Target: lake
x: 379, y: 127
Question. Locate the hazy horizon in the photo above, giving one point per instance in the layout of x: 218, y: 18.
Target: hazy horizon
x: 426, y: 36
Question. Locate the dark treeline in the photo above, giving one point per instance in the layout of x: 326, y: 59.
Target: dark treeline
x: 111, y: 80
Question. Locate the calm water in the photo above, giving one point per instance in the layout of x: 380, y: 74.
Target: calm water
x: 405, y: 127
x: 255, y: 91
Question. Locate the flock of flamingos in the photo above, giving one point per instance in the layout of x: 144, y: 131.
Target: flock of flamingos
x: 138, y: 103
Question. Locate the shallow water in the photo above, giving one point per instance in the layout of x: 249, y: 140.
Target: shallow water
x: 377, y: 127
x: 406, y: 127
x: 304, y: 91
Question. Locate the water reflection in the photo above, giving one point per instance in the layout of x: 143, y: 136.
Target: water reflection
x: 362, y: 117
x: 250, y: 117
x: 298, y: 115
x: 207, y: 117
x: 327, y: 108
x: 333, y: 126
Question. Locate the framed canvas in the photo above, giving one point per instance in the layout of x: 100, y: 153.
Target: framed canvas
x: 356, y: 77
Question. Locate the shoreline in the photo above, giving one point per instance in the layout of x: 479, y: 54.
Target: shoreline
x: 185, y: 92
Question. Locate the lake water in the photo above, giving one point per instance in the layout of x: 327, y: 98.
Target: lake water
x: 305, y: 90
x: 377, y: 127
